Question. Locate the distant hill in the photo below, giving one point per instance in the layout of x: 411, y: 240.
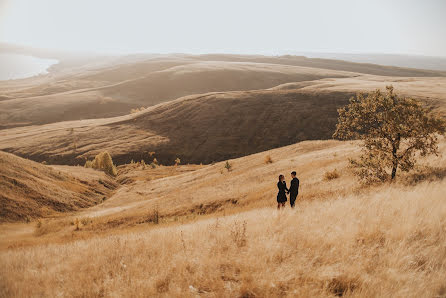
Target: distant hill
x: 98, y: 87
x: 410, y: 61
x: 197, y: 128
x: 212, y: 126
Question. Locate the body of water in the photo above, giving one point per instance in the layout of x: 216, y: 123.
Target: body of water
x: 16, y: 66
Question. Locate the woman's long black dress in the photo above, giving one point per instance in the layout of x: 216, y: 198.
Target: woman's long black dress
x: 281, y: 196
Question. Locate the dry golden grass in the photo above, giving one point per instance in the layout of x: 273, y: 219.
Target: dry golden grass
x: 191, y: 230
x: 389, y: 243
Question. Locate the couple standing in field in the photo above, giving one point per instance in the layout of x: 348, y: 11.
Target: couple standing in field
x: 283, y: 190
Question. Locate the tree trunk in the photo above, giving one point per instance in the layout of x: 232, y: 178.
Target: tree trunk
x: 395, y: 166
x: 395, y: 147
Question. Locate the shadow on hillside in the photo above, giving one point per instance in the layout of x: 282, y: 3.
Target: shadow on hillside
x: 221, y: 126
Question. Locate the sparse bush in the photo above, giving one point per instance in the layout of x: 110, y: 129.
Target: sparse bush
x: 85, y: 221
x: 103, y: 162
x: 228, y: 166
x: 77, y: 224
x: 156, y: 216
x: 143, y: 164
x: 330, y: 175
x: 88, y: 164
x: 155, y: 161
x: 136, y: 110
x: 153, y: 165
x: 268, y: 159
x: 177, y: 161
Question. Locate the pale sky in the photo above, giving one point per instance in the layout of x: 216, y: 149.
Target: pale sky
x: 228, y: 26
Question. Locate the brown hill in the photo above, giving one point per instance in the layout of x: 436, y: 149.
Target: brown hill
x: 212, y: 126
x: 198, y: 128
x: 333, y: 64
x: 112, y: 86
x: 104, y: 95
x: 31, y: 190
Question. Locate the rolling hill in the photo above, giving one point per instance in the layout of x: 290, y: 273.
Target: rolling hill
x: 30, y: 190
x: 98, y: 99
x: 212, y: 126
x: 99, y: 87
x: 197, y: 129
x: 203, y: 230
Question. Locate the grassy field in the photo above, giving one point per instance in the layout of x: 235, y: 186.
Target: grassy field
x: 218, y: 233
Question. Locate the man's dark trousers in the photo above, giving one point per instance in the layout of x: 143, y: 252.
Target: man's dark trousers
x: 293, y: 197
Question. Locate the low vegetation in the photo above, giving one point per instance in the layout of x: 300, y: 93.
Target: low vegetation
x: 330, y: 175
x: 228, y: 166
x: 103, y: 161
x: 136, y: 110
x: 268, y: 159
x: 313, y: 251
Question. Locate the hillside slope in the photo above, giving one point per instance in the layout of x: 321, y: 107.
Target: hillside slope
x: 213, y: 126
x: 212, y: 227
x: 197, y: 129
x: 112, y: 86
x: 31, y: 190
x: 88, y: 96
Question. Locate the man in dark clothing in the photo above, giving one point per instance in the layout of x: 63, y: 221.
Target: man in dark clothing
x: 294, y: 188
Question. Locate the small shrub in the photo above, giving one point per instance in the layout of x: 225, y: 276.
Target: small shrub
x: 330, y: 175
x: 136, y: 110
x: 268, y: 159
x: 103, y: 162
x: 228, y: 166
x: 155, y: 161
x: 156, y: 216
x: 85, y: 221
x: 162, y: 285
x: 77, y: 224
x: 177, y: 161
x: 238, y: 233
x: 143, y: 164
x: 153, y: 165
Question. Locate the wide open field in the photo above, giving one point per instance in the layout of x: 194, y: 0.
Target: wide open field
x: 218, y: 233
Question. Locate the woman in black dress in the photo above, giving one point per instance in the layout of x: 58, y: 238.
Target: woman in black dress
x: 281, y: 195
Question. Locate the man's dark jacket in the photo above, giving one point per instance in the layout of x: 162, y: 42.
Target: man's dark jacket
x: 294, y: 187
